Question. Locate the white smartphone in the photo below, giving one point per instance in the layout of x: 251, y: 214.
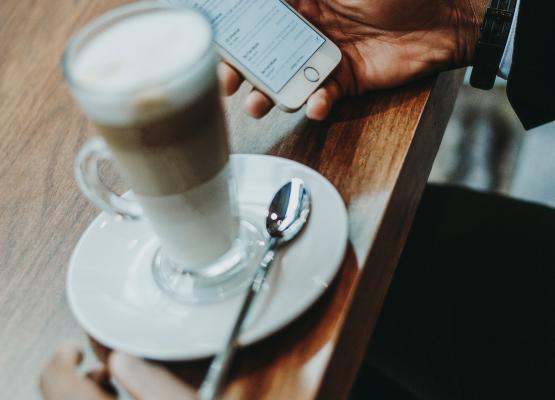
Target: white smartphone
x: 274, y: 47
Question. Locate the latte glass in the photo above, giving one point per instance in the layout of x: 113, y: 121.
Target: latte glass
x: 145, y: 75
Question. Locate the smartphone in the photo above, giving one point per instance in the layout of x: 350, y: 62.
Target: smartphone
x: 275, y: 48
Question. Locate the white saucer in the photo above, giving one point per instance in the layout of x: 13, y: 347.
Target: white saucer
x: 112, y: 293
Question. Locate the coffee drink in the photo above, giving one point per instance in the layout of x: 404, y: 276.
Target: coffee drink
x: 149, y: 85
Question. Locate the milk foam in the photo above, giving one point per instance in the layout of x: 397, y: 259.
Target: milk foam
x: 146, y: 64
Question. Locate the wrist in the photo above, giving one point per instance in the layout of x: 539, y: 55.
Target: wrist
x: 471, y: 15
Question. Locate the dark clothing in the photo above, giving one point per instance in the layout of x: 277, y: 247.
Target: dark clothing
x: 531, y: 83
x: 471, y: 310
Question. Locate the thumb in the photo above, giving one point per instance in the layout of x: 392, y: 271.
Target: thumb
x: 146, y: 381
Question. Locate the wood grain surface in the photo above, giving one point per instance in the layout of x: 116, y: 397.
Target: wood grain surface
x: 376, y: 149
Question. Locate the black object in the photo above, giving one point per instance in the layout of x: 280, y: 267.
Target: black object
x: 531, y: 83
x: 470, y: 313
x: 494, y: 33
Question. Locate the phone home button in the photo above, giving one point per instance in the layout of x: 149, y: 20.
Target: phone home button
x: 311, y: 74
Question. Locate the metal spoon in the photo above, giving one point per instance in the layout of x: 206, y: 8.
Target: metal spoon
x: 287, y: 216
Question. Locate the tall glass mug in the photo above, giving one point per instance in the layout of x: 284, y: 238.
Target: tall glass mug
x: 145, y: 75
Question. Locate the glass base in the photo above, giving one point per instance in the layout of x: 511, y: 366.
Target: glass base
x: 225, y: 277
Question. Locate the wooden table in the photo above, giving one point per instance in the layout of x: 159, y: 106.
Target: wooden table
x: 376, y: 149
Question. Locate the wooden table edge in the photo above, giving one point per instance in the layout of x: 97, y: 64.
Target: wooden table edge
x: 349, y: 350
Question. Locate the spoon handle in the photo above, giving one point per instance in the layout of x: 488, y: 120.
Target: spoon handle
x: 221, y: 363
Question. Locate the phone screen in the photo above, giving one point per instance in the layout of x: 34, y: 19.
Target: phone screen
x: 265, y: 36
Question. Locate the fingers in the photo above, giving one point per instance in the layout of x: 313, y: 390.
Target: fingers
x: 146, y: 381
x: 61, y: 380
x: 230, y: 79
x: 318, y: 106
x: 320, y: 103
x: 258, y: 104
x: 63, y: 365
x: 101, y: 377
x: 98, y: 376
x: 69, y: 356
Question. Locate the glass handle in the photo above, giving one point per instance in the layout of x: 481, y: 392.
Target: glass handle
x: 88, y: 179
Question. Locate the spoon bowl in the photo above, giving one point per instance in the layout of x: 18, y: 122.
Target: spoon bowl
x: 288, y: 211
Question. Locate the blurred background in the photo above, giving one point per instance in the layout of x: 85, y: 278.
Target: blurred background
x: 486, y: 148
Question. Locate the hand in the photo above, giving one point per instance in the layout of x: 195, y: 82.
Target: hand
x: 61, y: 379
x: 385, y: 43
